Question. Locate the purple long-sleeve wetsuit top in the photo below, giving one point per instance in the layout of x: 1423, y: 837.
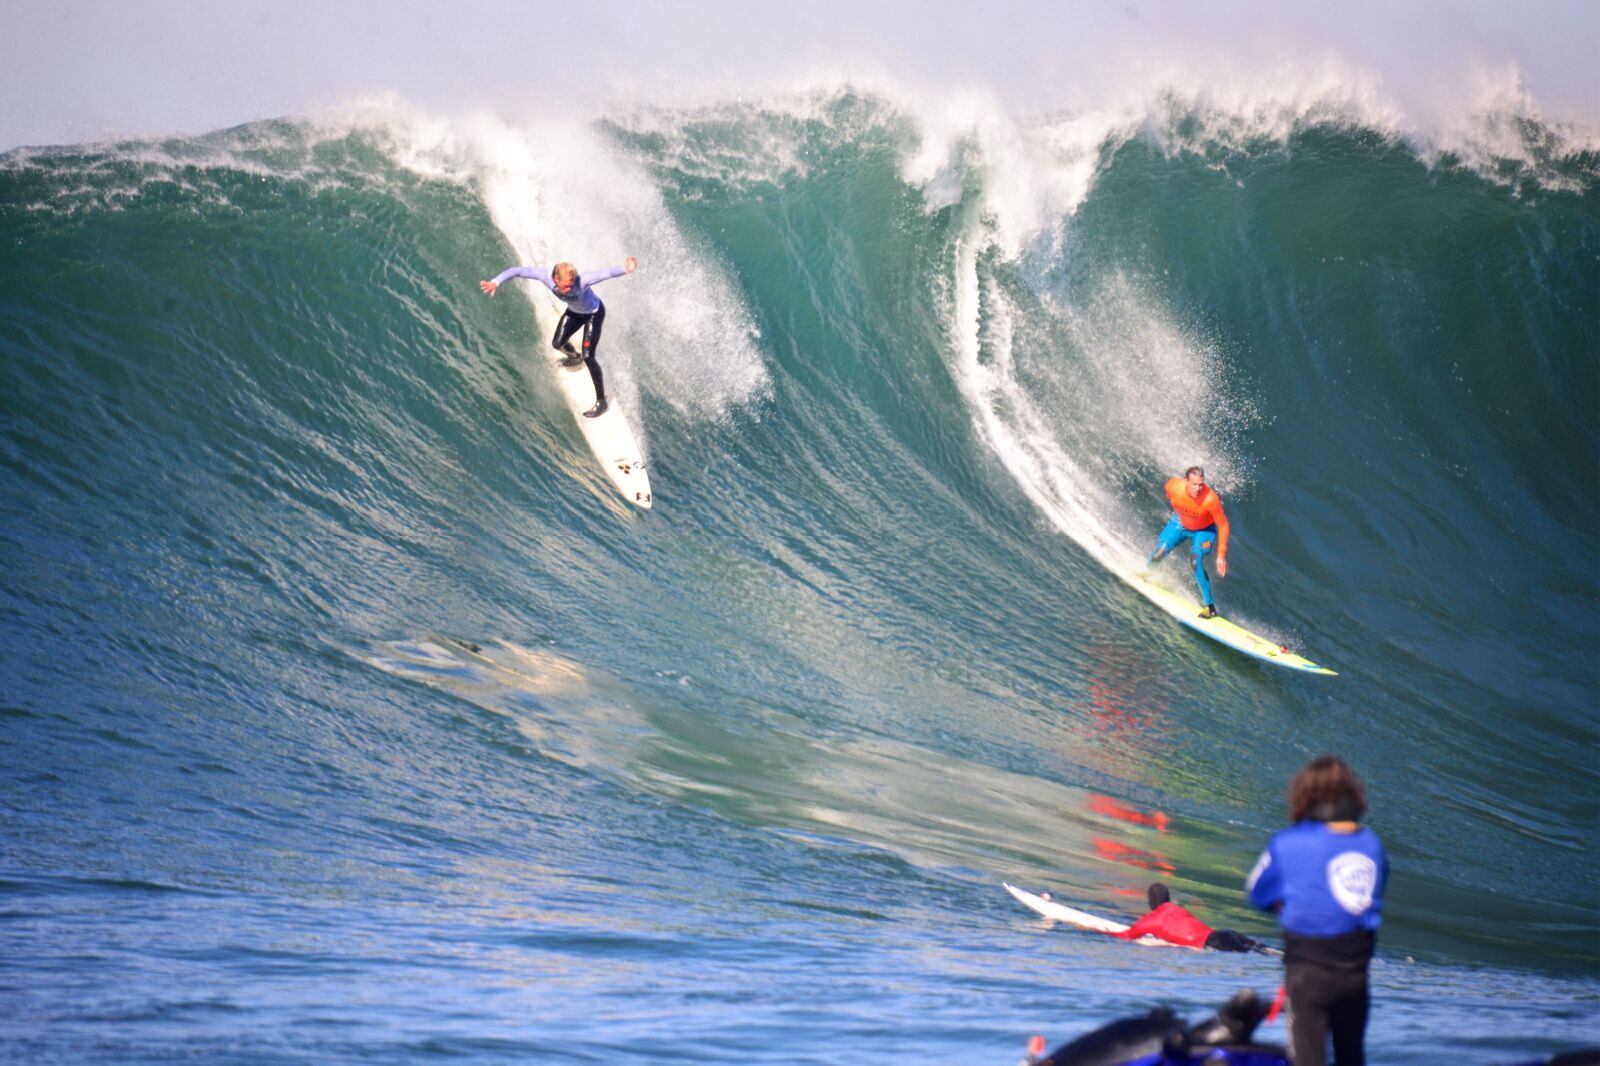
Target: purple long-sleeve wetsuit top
x: 581, y: 300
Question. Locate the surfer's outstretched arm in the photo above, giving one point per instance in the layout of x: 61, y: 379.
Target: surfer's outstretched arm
x: 595, y: 277
x: 537, y: 273
x: 542, y: 275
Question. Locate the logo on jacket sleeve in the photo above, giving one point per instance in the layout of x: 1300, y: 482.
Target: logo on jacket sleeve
x: 1352, y: 878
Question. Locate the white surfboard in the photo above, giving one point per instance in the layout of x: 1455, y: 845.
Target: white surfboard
x: 609, y: 436
x: 1082, y: 919
x: 1219, y: 628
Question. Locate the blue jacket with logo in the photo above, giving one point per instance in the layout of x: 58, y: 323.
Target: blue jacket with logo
x: 1329, y: 883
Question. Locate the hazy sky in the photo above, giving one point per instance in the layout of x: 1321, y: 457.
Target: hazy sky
x: 82, y: 70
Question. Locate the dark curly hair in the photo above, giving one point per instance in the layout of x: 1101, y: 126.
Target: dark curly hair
x: 1326, y: 790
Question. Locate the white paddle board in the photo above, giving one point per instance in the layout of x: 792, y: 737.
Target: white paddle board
x: 609, y: 436
x: 1082, y: 919
x: 1219, y: 628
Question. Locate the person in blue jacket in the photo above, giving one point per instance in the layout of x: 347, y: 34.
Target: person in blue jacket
x: 583, y: 311
x: 1325, y: 876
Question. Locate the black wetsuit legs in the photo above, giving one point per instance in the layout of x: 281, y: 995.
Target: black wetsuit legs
x: 1228, y: 940
x: 591, y: 325
x: 1325, y: 1003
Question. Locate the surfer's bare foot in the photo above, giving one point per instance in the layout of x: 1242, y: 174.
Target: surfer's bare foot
x: 1209, y: 612
x: 598, y: 409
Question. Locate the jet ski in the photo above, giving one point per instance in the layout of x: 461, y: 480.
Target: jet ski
x: 1161, y: 1038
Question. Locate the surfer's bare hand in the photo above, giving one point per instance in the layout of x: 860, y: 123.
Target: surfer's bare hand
x: 1222, y: 568
x: 629, y: 264
x: 488, y: 287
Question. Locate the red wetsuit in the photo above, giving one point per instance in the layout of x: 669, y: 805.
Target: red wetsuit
x: 1169, y: 921
x: 1199, y: 513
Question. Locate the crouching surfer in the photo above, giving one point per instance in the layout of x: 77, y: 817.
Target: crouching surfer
x: 583, y: 311
x: 1197, y: 517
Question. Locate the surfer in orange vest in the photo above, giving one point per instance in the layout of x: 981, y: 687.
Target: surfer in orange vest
x: 1196, y: 517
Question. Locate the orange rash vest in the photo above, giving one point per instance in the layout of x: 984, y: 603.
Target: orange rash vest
x: 1198, y: 514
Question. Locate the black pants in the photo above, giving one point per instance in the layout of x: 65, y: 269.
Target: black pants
x: 1228, y: 940
x: 1324, y: 1002
x: 590, y: 324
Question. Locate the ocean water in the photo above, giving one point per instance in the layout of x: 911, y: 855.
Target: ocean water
x: 346, y: 715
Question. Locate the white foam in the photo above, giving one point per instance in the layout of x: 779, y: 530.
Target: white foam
x: 1018, y: 433
x: 557, y: 189
x: 1106, y: 392
x: 1017, y: 181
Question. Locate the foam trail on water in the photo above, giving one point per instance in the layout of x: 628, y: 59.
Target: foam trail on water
x: 1014, y: 429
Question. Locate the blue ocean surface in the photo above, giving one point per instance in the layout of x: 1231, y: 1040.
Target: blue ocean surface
x: 347, y: 714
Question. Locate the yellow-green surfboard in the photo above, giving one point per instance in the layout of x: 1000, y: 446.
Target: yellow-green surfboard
x: 1220, y: 629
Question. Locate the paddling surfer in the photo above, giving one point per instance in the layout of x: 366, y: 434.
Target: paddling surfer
x: 1198, y: 518
x: 583, y: 311
x: 1176, y: 925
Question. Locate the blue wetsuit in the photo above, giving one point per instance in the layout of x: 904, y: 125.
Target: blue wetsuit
x: 1202, y: 542
x: 1200, y: 520
x: 583, y: 310
x: 1329, y: 886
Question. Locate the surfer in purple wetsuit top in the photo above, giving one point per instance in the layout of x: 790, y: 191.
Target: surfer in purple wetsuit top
x: 583, y: 310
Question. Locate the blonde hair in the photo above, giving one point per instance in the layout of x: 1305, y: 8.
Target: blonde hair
x: 564, y: 272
